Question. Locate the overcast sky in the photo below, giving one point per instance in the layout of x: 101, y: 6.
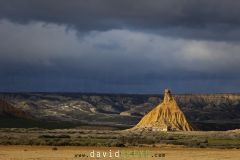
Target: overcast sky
x: 120, y: 46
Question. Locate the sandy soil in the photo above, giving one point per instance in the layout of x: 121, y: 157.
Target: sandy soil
x: 69, y: 153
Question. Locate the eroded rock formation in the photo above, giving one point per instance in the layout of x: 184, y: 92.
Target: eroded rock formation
x: 167, y: 116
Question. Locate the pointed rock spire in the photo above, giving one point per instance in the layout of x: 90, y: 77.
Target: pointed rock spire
x: 167, y: 96
x: 167, y: 116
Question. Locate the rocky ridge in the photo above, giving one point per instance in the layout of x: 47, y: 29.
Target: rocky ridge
x: 203, y: 111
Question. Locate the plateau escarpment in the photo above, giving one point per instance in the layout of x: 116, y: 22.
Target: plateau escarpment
x: 211, y: 111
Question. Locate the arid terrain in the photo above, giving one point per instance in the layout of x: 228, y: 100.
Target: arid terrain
x: 71, y: 153
x: 73, y: 144
x: 119, y: 138
x: 70, y: 126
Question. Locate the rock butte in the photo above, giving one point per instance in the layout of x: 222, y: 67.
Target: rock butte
x: 167, y: 116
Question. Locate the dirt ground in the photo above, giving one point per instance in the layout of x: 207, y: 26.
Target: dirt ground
x: 74, y: 153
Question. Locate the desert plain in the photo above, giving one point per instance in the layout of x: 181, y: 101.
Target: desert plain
x: 69, y: 153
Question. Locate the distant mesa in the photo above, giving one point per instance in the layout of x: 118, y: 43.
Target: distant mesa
x: 167, y: 116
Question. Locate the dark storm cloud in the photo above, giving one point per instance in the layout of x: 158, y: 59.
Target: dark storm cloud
x: 205, y: 19
x: 40, y: 57
x: 139, y: 46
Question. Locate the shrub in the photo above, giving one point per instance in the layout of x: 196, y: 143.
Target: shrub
x: 54, y: 136
x: 54, y: 148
